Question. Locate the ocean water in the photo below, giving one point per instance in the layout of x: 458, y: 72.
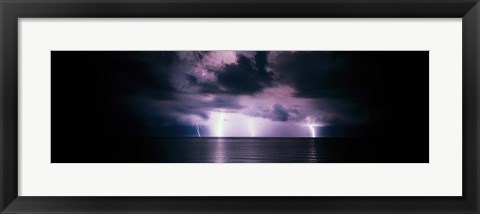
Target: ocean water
x: 277, y: 150
x: 244, y: 150
x: 239, y: 150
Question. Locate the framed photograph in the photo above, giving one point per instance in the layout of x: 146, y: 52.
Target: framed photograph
x: 231, y: 106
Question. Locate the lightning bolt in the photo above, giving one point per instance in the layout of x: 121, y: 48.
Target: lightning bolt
x: 252, y: 127
x: 220, y: 125
x: 198, y: 130
x: 312, y: 130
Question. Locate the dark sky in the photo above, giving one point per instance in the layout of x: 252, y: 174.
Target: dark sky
x: 240, y: 93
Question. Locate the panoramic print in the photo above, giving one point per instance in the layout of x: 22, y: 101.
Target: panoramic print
x: 240, y: 106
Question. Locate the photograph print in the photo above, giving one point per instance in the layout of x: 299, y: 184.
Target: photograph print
x: 229, y: 106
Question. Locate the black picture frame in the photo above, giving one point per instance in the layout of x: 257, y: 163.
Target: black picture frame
x: 12, y: 10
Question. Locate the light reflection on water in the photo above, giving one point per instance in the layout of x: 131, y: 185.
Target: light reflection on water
x: 241, y: 150
x: 312, y: 152
x: 219, y: 151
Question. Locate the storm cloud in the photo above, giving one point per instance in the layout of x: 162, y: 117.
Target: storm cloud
x: 145, y: 92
